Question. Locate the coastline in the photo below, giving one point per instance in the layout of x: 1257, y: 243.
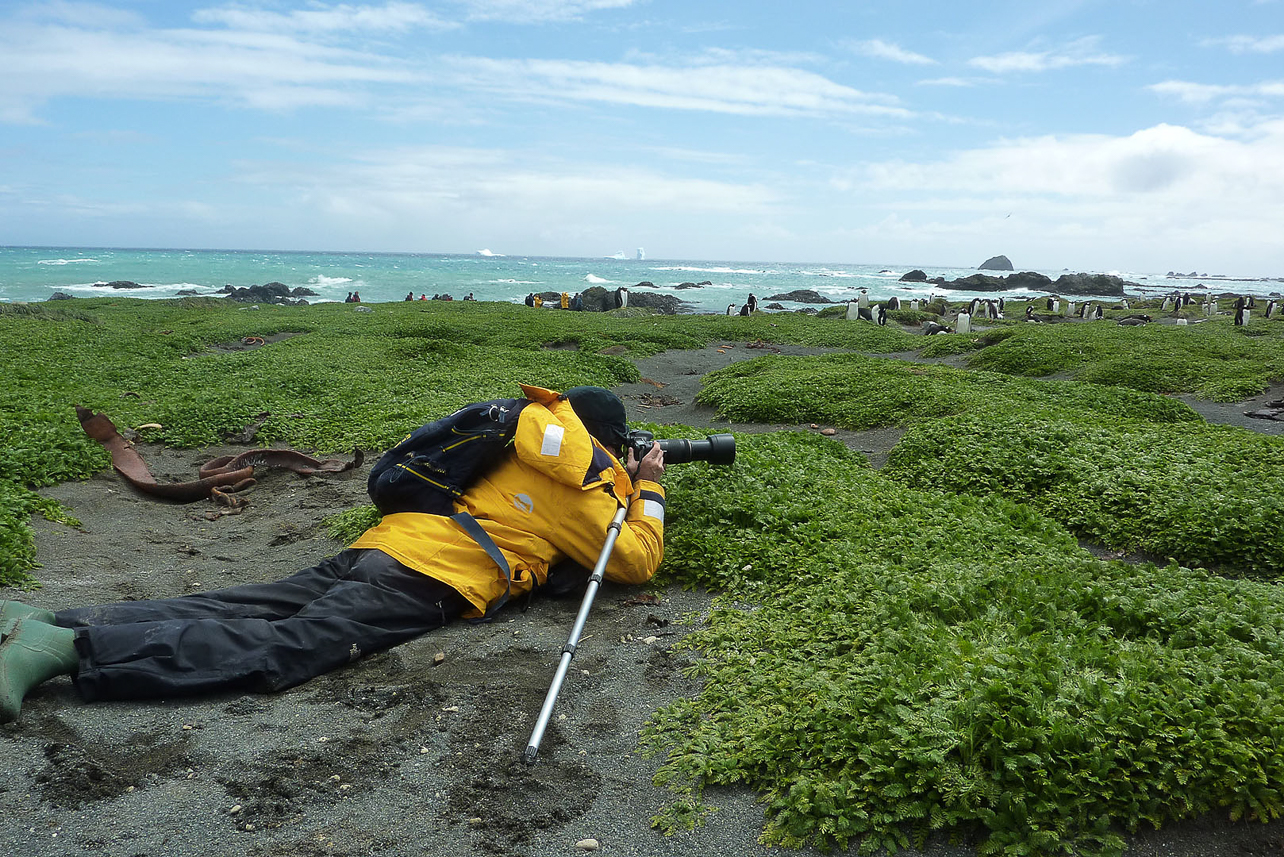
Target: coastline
x: 34, y: 274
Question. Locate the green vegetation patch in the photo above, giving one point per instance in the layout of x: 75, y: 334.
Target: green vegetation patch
x: 1201, y: 494
x: 1214, y: 360
x: 915, y: 661
x: 858, y: 392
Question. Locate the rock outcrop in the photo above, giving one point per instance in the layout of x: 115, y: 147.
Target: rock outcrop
x: 914, y: 276
x: 996, y: 263
x: 598, y: 299
x: 801, y: 296
x: 268, y: 293
x: 1106, y: 285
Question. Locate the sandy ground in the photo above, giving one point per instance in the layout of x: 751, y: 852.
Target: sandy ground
x: 393, y: 755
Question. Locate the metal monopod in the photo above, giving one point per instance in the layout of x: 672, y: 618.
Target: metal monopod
x: 568, y: 651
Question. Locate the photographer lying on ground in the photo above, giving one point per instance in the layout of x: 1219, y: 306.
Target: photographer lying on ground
x: 550, y: 498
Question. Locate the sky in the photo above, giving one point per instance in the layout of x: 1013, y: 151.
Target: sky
x: 1124, y: 136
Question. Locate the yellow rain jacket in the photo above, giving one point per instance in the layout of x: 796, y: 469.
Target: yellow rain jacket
x: 551, y: 498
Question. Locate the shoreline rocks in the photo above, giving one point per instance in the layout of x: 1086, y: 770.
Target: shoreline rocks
x: 996, y: 263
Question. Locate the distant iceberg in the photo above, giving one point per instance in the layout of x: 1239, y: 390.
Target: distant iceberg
x: 641, y: 254
x: 488, y: 253
x: 619, y: 255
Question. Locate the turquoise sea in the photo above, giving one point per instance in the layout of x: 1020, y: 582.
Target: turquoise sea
x: 36, y: 273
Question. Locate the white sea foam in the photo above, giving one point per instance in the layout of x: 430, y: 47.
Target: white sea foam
x: 65, y: 261
x: 517, y: 282
x: 589, y: 278
x: 694, y: 269
x: 323, y: 280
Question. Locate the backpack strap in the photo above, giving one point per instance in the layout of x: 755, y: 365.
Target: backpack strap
x: 474, y: 529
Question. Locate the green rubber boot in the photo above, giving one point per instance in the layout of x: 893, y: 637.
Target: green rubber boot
x: 12, y: 611
x: 33, y: 653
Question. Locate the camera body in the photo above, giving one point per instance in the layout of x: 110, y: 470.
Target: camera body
x: 715, y: 449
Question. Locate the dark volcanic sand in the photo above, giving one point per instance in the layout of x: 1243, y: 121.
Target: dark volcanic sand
x: 391, y: 756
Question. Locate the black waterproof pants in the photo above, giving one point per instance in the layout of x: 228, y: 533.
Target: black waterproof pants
x: 259, y: 636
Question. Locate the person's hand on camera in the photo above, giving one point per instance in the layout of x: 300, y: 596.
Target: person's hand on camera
x: 650, y: 468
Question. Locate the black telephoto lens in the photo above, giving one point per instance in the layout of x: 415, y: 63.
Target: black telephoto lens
x: 716, y: 449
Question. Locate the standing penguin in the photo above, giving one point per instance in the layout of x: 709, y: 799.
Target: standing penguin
x: 744, y: 310
x: 753, y: 303
x: 731, y: 309
x: 621, y: 297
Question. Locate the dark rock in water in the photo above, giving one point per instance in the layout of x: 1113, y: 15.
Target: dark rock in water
x: 598, y: 299
x: 685, y: 286
x: 802, y: 296
x: 937, y: 281
x: 705, y: 283
x: 996, y: 263
x: 1090, y: 284
x: 979, y: 283
x: 663, y: 304
x: 186, y: 293
x: 645, y: 284
x: 270, y: 293
x: 60, y: 296
x: 774, y: 306
x: 1031, y: 280
x: 122, y: 284
x: 914, y: 276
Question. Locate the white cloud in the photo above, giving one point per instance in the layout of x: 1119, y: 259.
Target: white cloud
x: 1250, y: 44
x: 343, y: 18
x: 948, y: 81
x: 260, y: 69
x: 1204, y: 93
x: 535, y: 11
x: 879, y: 49
x: 747, y: 90
x: 1078, y: 53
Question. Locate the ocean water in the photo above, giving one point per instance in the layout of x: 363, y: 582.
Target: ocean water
x: 36, y: 273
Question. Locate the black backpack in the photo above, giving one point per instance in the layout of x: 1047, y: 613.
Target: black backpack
x: 436, y: 463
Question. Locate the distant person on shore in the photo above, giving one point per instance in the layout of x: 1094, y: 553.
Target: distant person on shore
x: 577, y: 303
x: 356, y: 297
x: 348, y: 299
x: 470, y: 297
x: 423, y: 296
x: 566, y: 301
x: 530, y: 299
x: 410, y: 296
x: 539, y: 301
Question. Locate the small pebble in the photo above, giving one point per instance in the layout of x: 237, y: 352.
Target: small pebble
x: 587, y: 845
x: 439, y: 659
x: 829, y: 432
x: 649, y: 640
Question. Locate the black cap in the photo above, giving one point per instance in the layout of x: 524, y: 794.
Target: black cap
x: 602, y: 413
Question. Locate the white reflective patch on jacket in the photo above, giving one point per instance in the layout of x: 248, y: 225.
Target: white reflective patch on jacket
x: 552, y: 444
x: 653, y: 509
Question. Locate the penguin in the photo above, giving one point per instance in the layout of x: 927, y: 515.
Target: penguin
x: 744, y: 310
x: 1001, y: 303
x: 1134, y: 320
x: 731, y: 309
x: 1030, y: 316
x: 1166, y: 305
x: 1270, y: 308
x: 931, y: 328
x: 1050, y: 307
x: 971, y: 307
x: 1240, y: 304
x: 880, y: 315
x: 753, y: 303
x: 893, y: 303
x: 865, y: 313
